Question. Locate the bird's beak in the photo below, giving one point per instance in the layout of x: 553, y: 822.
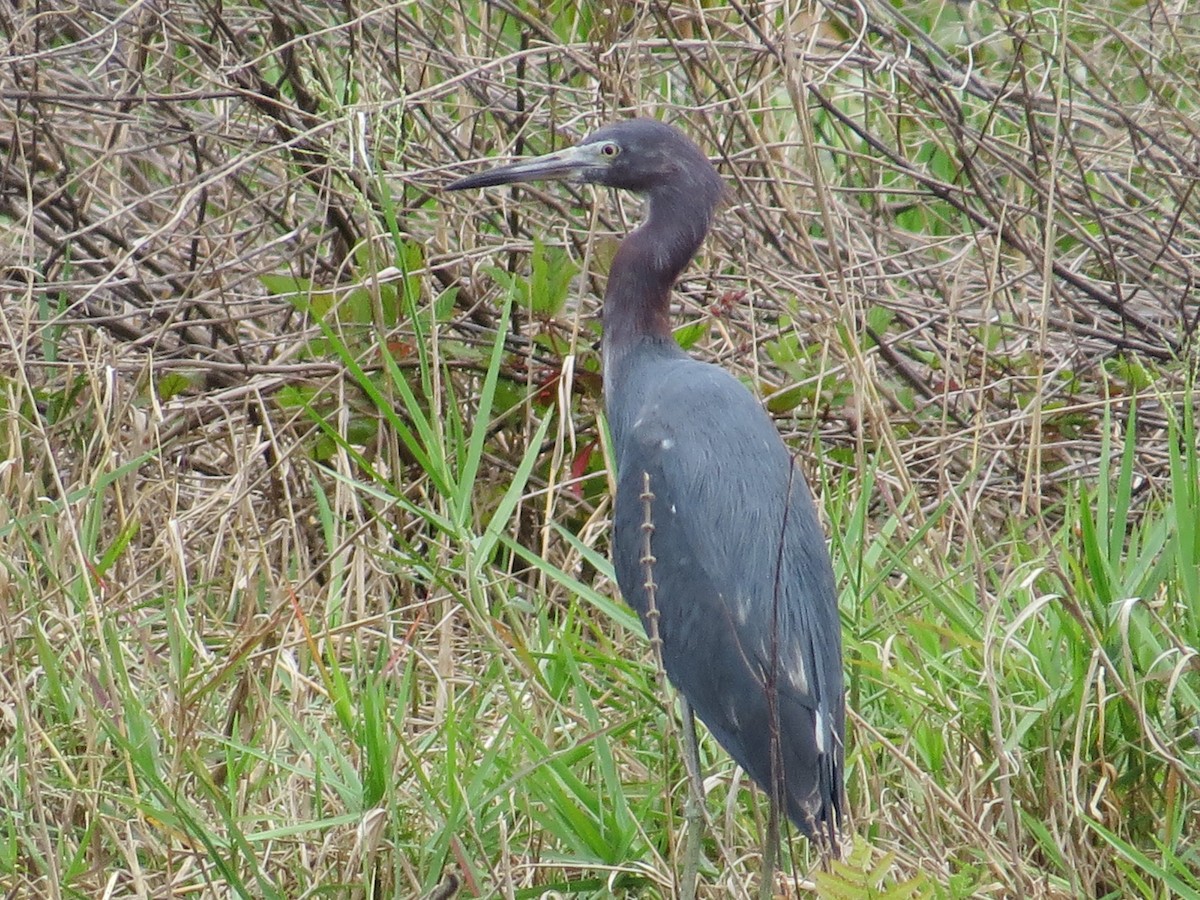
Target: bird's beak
x: 571, y: 163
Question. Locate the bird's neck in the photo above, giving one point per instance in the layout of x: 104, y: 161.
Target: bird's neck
x: 637, y: 301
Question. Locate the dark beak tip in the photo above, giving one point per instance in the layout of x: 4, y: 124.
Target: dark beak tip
x: 485, y: 179
x: 464, y: 183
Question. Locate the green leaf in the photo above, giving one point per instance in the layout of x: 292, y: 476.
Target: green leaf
x: 687, y: 335
x: 550, y: 281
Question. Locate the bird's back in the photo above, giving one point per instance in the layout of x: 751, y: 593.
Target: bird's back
x: 741, y: 577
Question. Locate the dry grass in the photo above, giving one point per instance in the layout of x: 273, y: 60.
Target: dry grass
x: 303, y: 584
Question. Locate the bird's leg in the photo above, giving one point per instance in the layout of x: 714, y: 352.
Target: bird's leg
x: 693, y: 811
x: 766, y: 890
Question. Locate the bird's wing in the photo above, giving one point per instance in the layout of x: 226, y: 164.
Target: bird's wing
x: 715, y: 529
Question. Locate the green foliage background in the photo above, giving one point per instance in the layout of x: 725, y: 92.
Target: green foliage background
x: 304, y: 490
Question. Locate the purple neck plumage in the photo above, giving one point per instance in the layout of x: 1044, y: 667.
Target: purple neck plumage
x: 637, y: 302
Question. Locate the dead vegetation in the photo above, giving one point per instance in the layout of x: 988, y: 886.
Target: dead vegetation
x: 961, y: 241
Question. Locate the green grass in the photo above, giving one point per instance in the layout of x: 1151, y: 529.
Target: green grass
x: 304, y: 487
x: 1034, y: 695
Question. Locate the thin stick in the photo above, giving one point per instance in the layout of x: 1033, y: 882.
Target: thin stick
x: 777, y: 790
x: 693, y: 809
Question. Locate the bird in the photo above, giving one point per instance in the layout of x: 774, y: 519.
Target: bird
x: 716, y: 542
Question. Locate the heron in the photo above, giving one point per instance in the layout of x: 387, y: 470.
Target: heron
x: 716, y: 539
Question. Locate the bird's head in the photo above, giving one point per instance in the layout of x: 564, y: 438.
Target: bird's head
x: 642, y: 155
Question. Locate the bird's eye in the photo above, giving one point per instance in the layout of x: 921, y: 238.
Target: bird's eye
x: 610, y: 150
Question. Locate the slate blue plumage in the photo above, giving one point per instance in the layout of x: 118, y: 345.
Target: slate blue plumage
x: 710, y: 507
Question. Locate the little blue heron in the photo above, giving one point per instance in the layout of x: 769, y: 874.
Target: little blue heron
x: 717, y: 544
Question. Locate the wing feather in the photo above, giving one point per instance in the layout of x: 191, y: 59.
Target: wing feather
x: 741, y: 580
